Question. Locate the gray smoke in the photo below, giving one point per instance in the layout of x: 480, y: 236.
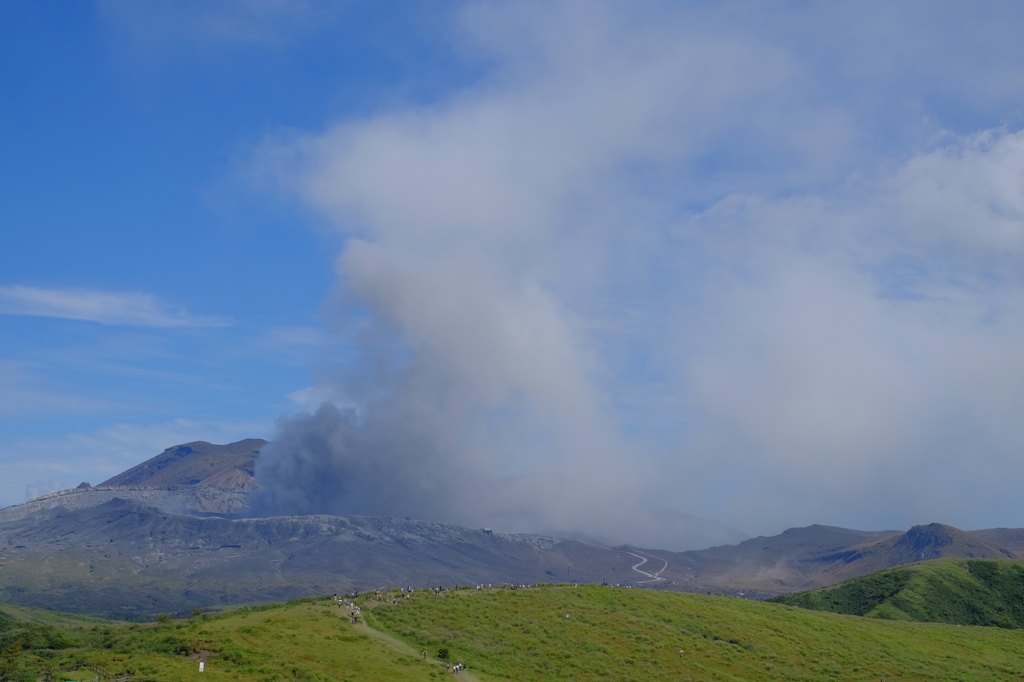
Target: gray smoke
x: 326, y: 463
x: 330, y: 463
x: 669, y: 257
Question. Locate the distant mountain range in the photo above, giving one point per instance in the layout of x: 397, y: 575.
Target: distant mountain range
x: 130, y: 547
x: 124, y: 559
x: 815, y: 556
x: 203, y: 479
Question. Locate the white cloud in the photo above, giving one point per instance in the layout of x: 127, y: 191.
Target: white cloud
x: 261, y: 23
x: 24, y: 393
x: 112, y: 308
x: 295, y: 345
x: 474, y: 229
x: 312, y: 397
x: 860, y: 356
x: 682, y: 213
x: 43, y: 487
x: 966, y: 199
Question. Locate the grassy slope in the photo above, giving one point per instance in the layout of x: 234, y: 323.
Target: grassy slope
x: 26, y: 614
x: 613, y: 634
x: 968, y: 592
x: 306, y: 640
x: 618, y: 634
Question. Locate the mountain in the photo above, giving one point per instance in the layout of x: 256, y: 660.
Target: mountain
x: 204, y: 479
x: 199, y: 463
x: 121, y: 558
x: 961, y: 592
x: 1007, y: 538
x: 200, y: 500
x: 815, y: 556
x: 151, y: 534
x: 937, y: 541
x: 195, y: 478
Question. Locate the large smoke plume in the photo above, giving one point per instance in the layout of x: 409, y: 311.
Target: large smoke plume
x: 659, y: 259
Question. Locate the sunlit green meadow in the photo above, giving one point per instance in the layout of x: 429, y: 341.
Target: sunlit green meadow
x: 524, y: 635
x: 647, y: 635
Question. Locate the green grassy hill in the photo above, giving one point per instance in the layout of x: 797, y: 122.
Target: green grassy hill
x: 302, y: 640
x: 522, y: 635
x: 967, y: 592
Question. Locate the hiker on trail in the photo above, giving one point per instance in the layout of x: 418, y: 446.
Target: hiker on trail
x: 567, y: 616
x: 424, y: 654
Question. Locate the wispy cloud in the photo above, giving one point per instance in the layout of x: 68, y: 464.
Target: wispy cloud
x: 23, y: 393
x: 260, y: 23
x: 114, y: 308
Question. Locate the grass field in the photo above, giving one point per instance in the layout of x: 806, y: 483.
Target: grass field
x: 622, y: 634
x: 611, y: 634
x: 956, y: 591
x: 305, y: 640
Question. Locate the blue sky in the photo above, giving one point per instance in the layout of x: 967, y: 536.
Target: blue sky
x: 751, y: 261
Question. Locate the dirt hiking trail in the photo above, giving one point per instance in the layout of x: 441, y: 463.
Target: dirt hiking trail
x: 403, y: 648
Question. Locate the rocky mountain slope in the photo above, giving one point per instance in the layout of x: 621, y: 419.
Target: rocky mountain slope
x: 1007, y: 538
x: 815, y: 556
x: 146, y: 537
x: 119, y: 557
x: 195, y: 478
x: 122, y: 556
x: 202, y: 500
x: 204, y: 479
x: 199, y: 463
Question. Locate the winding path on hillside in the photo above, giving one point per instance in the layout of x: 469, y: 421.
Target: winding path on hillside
x: 403, y: 648
x: 654, y: 577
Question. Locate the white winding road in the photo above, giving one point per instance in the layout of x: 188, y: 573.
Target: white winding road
x: 654, y: 577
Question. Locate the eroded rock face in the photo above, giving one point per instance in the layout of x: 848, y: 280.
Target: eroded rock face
x: 932, y: 536
x: 196, y: 478
x: 119, y: 557
x: 182, y: 499
x: 198, y: 463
